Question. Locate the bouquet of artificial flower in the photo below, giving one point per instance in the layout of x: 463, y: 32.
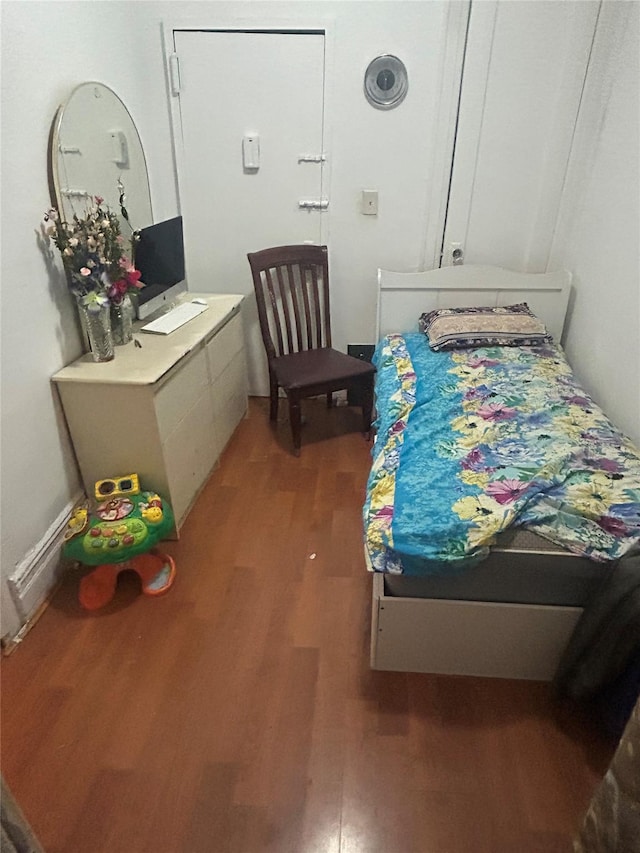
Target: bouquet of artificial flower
x: 92, y: 254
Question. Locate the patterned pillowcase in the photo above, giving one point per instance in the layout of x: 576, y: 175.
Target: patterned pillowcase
x: 505, y: 326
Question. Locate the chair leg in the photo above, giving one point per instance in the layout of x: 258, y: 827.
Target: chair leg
x: 367, y: 405
x: 273, y: 394
x: 296, y: 423
x: 329, y: 400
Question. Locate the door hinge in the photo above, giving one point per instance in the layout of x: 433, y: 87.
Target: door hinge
x: 174, y: 73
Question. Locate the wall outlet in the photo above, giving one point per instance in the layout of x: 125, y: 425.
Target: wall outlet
x: 365, y: 353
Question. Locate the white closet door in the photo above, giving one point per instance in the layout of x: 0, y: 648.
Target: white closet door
x: 267, y: 87
x: 524, y: 71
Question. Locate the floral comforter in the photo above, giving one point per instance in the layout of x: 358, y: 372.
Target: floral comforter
x: 472, y: 441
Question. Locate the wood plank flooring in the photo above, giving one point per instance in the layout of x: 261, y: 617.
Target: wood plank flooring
x: 238, y: 713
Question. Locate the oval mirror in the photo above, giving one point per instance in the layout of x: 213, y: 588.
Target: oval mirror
x: 96, y: 150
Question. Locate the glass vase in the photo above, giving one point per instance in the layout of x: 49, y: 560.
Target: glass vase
x: 122, y: 314
x: 96, y: 324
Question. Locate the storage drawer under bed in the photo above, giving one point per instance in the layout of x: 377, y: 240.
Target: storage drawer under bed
x: 482, y: 638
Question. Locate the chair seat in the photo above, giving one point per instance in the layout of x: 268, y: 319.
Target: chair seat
x: 318, y: 367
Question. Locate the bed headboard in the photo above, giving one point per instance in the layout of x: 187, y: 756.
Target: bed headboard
x: 404, y: 296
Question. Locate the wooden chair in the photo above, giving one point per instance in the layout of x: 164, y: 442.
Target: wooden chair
x: 292, y: 292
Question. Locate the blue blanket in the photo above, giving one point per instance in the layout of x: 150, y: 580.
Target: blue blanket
x: 472, y: 441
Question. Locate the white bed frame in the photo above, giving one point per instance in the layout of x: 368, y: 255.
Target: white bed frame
x: 403, y: 296
x: 482, y: 638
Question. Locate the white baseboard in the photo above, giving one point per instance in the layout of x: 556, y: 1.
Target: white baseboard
x: 41, y: 569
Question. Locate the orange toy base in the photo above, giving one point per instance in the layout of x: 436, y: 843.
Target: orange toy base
x: 156, y: 572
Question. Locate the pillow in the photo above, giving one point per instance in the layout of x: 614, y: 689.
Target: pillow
x: 504, y: 326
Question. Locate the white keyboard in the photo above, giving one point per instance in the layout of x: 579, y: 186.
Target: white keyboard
x: 174, y: 318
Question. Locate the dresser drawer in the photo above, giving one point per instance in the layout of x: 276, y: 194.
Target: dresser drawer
x: 181, y: 391
x: 229, y: 400
x: 190, y: 454
x: 224, y: 346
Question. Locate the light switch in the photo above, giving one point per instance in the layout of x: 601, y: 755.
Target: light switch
x: 369, y: 202
x: 251, y: 152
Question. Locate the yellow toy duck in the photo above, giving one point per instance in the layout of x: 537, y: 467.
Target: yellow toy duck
x: 152, y: 509
x: 77, y: 522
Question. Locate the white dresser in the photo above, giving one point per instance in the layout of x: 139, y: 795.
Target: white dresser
x: 165, y: 410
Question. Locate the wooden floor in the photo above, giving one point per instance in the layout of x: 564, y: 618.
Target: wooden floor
x: 238, y: 713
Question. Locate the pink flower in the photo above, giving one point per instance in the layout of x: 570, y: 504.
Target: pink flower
x: 117, y: 290
x: 133, y: 278
x: 613, y: 525
x: 131, y: 274
x: 578, y: 400
x: 604, y: 464
x: 478, y: 361
x: 472, y: 394
x: 495, y: 411
x: 473, y: 460
x: 506, y: 491
x: 98, y: 199
x: 85, y: 271
x: 385, y: 512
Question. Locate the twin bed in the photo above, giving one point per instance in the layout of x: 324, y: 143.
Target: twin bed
x: 499, y: 491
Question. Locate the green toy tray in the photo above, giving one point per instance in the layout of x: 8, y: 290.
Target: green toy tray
x: 118, y: 529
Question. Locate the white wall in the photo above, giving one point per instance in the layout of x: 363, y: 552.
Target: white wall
x: 47, y: 49
x: 599, y: 228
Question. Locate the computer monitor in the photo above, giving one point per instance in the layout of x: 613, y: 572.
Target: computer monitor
x: 160, y: 258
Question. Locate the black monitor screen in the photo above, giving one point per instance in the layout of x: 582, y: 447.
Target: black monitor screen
x: 160, y: 255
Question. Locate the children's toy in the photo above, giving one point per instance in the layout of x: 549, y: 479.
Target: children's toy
x: 117, y: 487
x: 120, y: 533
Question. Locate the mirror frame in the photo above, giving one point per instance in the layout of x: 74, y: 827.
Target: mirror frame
x: 63, y: 201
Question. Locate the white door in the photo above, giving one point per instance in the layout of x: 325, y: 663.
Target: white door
x: 250, y: 149
x: 524, y: 71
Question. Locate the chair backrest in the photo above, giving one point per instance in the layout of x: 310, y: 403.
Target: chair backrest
x: 292, y: 292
